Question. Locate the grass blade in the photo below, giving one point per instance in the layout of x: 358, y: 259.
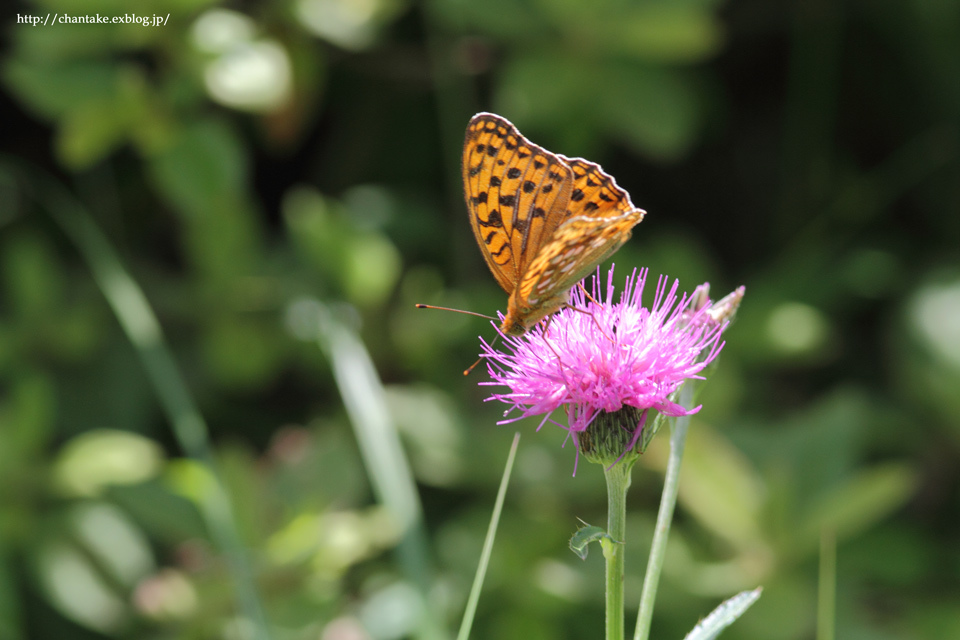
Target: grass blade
x: 142, y: 328
x: 827, y: 589
x: 724, y: 615
x: 471, y: 609
x: 386, y: 463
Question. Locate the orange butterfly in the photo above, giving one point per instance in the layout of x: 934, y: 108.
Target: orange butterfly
x: 543, y: 221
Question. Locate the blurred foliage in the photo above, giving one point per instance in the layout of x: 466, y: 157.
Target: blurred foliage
x: 259, y: 165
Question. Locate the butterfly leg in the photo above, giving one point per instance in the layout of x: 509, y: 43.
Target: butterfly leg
x: 546, y: 325
x: 555, y: 354
x: 592, y: 317
x: 586, y: 293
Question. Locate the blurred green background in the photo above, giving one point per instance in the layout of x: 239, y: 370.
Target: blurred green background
x: 281, y: 179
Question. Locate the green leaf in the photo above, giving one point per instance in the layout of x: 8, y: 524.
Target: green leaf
x: 26, y: 417
x: 724, y: 615
x: 364, y: 263
x: 163, y: 514
x: 372, y: 269
x: 580, y: 541
x: 549, y: 89
x: 32, y: 278
x: 654, y: 110
x: 205, y: 162
x: 52, y: 90
x: 203, y: 172
x: 96, y: 459
x: 859, y: 503
x: 89, y: 133
x: 243, y: 352
x: 88, y: 571
x: 669, y: 32
x: 72, y: 584
x: 718, y: 484
x: 11, y: 625
x: 317, y: 231
x: 511, y: 19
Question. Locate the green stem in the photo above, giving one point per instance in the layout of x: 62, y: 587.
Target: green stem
x: 827, y: 592
x: 618, y: 481
x: 668, y: 500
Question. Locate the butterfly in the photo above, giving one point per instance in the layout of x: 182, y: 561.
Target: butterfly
x: 543, y: 221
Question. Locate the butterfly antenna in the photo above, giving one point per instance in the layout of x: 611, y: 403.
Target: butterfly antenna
x: 469, y: 369
x: 469, y: 313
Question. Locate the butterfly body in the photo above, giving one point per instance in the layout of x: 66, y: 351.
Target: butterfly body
x: 543, y: 221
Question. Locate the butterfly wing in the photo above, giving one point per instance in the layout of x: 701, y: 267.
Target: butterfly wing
x: 600, y: 219
x: 516, y: 193
x: 595, y: 193
x: 576, y: 248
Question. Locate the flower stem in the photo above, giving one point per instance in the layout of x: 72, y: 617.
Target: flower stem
x: 618, y: 481
x: 668, y: 500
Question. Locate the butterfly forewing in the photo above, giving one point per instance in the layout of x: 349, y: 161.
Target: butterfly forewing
x: 516, y: 193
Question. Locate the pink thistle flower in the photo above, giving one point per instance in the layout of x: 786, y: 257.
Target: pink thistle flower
x: 606, y: 357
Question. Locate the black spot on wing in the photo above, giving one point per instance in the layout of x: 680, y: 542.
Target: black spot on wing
x: 493, y: 220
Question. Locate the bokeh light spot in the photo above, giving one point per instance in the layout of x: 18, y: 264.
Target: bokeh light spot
x: 796, y: 328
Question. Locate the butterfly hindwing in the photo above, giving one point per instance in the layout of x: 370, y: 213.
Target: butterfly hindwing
x: 576, y: 248
x: 595, y: 193
x: 600, y: 217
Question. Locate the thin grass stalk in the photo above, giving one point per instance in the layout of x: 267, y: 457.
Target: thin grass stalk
x: 471, y: 608
x: 668, y: 501
x: 142, y: 328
